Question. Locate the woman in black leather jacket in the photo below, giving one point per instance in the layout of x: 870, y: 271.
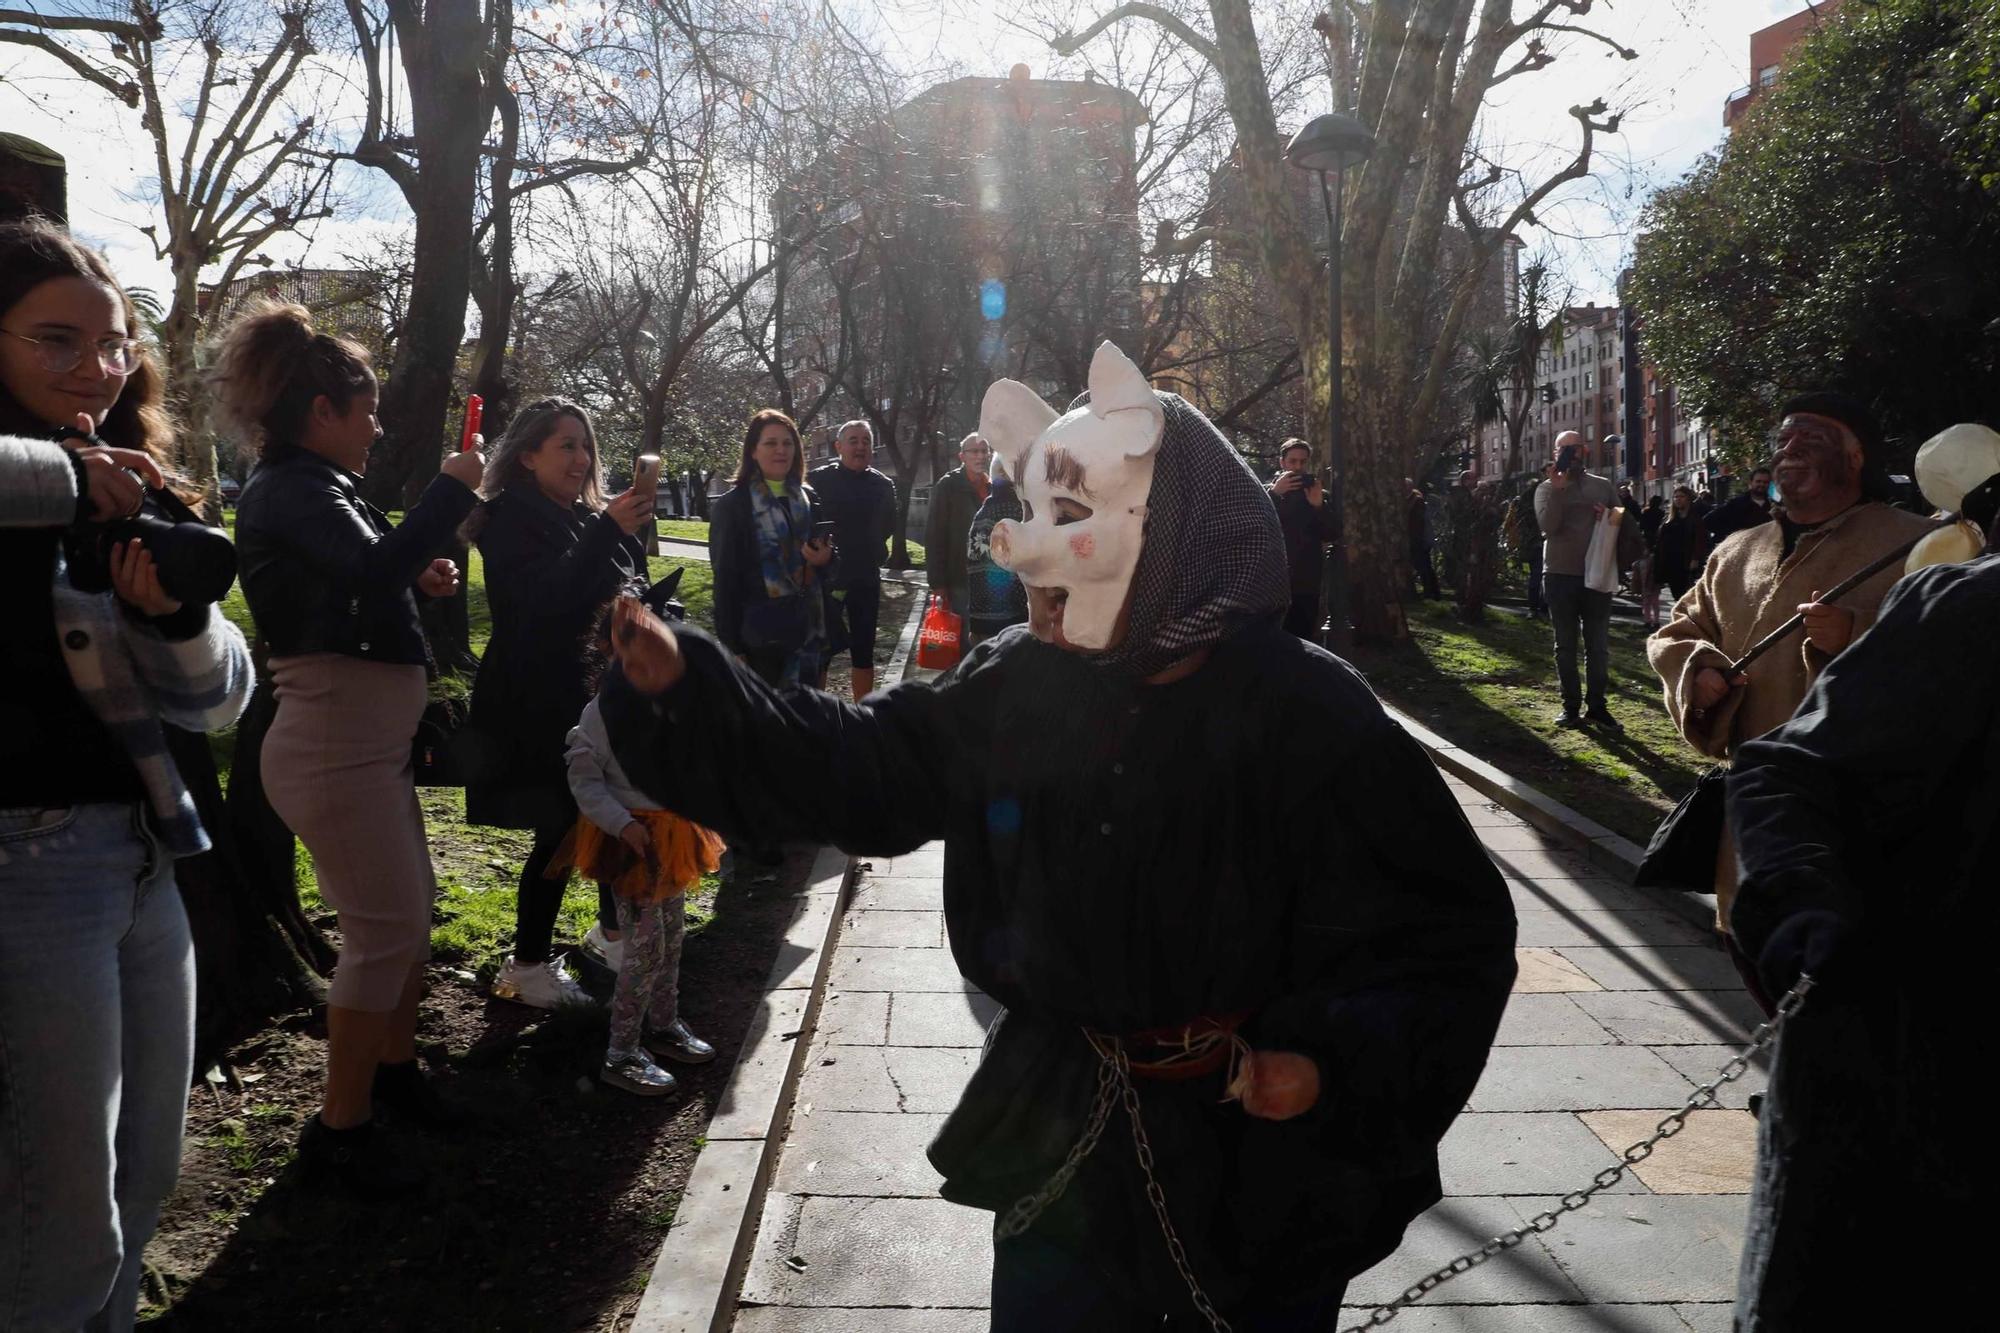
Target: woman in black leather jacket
x: 333, y: 588
x: 555, y: 551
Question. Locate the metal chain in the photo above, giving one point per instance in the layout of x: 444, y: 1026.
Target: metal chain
x: 1765, y: 1034
x: 1154, y: 1194
x: 1028, y: 1207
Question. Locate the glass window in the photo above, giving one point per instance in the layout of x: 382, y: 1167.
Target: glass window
x: 1767, y: 76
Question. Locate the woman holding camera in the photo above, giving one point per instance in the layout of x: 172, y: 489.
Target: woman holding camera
x: 96, y: 966
x: 763, y: 548
x: 333, y: 588
x: 555, y: 551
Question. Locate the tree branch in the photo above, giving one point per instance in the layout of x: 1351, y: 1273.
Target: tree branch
x: 123, y: 89
x: 1066, y: 44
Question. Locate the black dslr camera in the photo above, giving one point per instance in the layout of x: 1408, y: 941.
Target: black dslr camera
x: 196, y: 563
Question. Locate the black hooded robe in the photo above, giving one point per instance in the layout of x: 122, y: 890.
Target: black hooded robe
x: 1257, y: 838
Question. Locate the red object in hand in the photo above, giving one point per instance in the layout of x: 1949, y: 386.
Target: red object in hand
x: 475, y: 412
x: 940, y: 641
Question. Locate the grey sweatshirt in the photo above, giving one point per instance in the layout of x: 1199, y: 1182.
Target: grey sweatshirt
x: 1567, y: 517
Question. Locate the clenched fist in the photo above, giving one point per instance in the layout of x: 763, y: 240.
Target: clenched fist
x: 1276, y: 1085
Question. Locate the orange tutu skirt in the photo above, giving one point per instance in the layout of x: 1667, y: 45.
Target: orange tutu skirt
x: 681, y: 852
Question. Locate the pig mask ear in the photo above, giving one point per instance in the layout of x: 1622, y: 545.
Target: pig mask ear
x: 1120, y: 396
x: 1011, y: 417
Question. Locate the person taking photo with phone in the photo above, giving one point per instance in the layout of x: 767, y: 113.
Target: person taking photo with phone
x: 96, y: 964
x: 554, y: 550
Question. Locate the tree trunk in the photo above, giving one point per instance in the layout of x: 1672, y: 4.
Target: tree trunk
x: 180, y: 333
x: 256, y: 955
x: 449, y: 112
x: 1378, y: 553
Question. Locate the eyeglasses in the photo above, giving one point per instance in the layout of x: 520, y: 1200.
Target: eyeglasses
x: 60, y: 353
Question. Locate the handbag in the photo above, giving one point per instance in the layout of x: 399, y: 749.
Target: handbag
x: 1683, y: 849
x: 941, y: 640
x: 434, y: 761
x: 777, y: 622
x: 1600, y: 561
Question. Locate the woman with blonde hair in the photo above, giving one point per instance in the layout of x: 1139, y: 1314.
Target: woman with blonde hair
x: 334, y: 591
x: 96, y: 964
x: 555, y: 551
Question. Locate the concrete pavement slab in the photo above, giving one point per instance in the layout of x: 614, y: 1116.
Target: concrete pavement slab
x: 854, y: 1018
x: 1523, y: 1274
x: 860, y: 1153
x: 924, y: 861
x: 1522, y: 1153
x: 880, y: 928
x: 1484, y: 814
x: 798, y: 958
x: 685, y: 1286
x: 1587, y: 895
x: 899, y: 895
x: 792, y: 1319
x: 1657, y: 967
x: 1699, y: 1064
x: 1550, y: 862
x: 751, y: 1097
x: 1649, y: 1247
x: 885, y: 1078
x: 1577, y: 1078
x: 857, y: 1252
x: 1715, y: 1152
x: 1548, y: 1020
x: 1546, y: 972
x: 1560, y: 927
x: 896, y: 970
x: 1674, y: 1018
x: 1717, y: 1317
x: 929, y: 1019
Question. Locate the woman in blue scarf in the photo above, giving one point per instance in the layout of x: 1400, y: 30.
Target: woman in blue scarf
x: 766, y: 561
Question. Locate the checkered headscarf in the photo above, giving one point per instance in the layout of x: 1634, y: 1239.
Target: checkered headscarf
x: 1213, y: 559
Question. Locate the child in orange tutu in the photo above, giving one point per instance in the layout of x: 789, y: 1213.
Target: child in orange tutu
x: 650, y: 858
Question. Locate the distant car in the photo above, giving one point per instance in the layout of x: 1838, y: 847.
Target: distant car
x: 231, y: 488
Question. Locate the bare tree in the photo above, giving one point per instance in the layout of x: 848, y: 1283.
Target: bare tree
x: 216, y: 85
x: 1417, y: 73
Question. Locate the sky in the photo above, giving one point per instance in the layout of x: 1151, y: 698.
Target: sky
x: 1693, y: 53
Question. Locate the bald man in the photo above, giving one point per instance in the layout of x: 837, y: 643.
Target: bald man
x: 1567, y: 506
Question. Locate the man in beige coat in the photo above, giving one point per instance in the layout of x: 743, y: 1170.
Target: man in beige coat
x: 1757, y: 579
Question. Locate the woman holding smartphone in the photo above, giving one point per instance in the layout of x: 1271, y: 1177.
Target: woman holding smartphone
x: 555, y: 551
x: 334, y: 591
x: 766, y: 552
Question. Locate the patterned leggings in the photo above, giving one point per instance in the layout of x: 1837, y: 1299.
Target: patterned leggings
x: 648, y: 994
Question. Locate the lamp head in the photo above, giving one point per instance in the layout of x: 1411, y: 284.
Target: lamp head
x: 1332, y: 142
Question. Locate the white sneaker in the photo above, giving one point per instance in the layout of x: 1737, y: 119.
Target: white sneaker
x: 609, y: 952
x: 538, y: 985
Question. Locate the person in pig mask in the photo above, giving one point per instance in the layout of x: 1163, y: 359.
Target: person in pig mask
x: 1249, y: 952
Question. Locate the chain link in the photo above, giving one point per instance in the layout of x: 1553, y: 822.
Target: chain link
x: 1545, y: 1221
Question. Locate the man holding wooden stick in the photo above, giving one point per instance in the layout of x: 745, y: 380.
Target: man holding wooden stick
x: 1833, y: 524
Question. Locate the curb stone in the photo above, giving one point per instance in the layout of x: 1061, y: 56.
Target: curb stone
x: 699, y: 1269
x: 1618, y: 857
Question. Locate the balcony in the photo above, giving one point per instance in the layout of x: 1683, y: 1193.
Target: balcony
x: 1734, y: 105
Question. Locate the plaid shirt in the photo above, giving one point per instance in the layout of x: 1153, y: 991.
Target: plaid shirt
x: 130, y: 675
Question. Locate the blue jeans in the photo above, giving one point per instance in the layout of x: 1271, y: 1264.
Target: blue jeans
x: 96, y: 1052
x: 1571, y: 604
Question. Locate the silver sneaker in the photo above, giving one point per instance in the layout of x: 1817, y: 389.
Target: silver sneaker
x: 635, y: 1072
x: 676, y: 1042
x: 538, y: 985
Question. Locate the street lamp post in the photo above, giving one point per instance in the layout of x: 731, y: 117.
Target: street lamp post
x: 1329, y: 145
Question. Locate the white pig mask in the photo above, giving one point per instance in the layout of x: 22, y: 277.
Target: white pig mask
x: 1099, y: 456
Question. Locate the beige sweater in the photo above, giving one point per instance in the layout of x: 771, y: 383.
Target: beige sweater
x: 1748, y: 590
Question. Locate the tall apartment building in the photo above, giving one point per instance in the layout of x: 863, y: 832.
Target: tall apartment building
x: 1579, y: 385
x: 1770, y: 50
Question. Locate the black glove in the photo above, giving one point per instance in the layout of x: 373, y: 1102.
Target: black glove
x: 1814, y: 941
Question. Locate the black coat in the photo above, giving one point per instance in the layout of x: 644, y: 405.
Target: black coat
x: 862, y: 506
x: 1257, y: 838
x: 1307, y: 531
x: 947, y: 526
x: 1738, y: 513
x: 1877, y: 802
x: 549, y: 572
x: 322, y: 570
x: 737, y: 564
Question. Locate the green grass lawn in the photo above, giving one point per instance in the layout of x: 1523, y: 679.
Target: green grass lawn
x: 696, y: 530
x: 1491, y: 688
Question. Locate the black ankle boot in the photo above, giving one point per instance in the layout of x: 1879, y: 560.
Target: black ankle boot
x: 359, y: 1161
x: 403, y: 1091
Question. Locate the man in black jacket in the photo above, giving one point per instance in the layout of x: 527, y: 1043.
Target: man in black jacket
x: 955, y: 499
x: 1743, y: 511
x: 1302, y: 516
x: 861, y: 503
x: 1223, y: 898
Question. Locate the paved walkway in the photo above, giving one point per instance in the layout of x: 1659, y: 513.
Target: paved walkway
x: 1620, y: 1009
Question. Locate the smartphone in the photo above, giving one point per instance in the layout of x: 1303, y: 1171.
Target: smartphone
x: 475, y: 413
x: 646, y: 475
x: 823, y: 530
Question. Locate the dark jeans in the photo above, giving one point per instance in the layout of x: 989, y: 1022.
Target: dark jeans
x: 852, y: 613
x: 1538, y: 602
x: 539, y: 900
x: 1426, y: 567
x: 1302, y: 617
x: 1570, y: 605
x: 1040, y: 1286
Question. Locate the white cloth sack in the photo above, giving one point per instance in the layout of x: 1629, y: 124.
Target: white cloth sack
x: 1600, y: 562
